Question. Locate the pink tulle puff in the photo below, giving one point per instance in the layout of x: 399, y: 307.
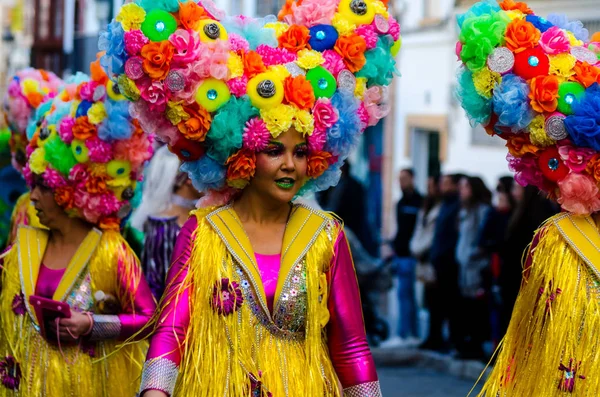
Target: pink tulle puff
x: 19, y: 112
x: 275, y: 56
x: 316, y: 141
x: 53, y: 178
x: 334, y: 63
x: 554, y: 41
x: 219, y: 55
x: 364, y: 116
x: 369, y: 34
x: 150, y: 121
x: 86, y: 90
x: 579, y: 194
x: 238, y: 86
x: 65, y: 129
x: 106, y: 204
x: 216, y: 198
x: 256, y: 135
x: 238, y: 43
x: 99, y: 151
x: 134, y: 41
x: 312, y: 12
x: 136, y: 150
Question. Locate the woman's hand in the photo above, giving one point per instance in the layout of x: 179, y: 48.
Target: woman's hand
x: 71, y: 329
x: 154, y: 393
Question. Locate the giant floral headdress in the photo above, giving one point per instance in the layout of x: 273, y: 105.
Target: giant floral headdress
x: 534, y: 82
x: 27, y: 90
x: 89, y: 151
x: 218, y: 88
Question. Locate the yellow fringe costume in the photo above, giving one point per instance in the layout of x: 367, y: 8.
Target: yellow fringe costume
x: 23, y: 214
x: 229, y: 354
x: 552, y: 347
x: 101, y: 263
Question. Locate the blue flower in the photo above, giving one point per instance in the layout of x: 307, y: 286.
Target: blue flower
x: 206, y: 174
x: 511, y: 103
x: 584, y: 124
x: 112, y: 41
x: 541, y: 23
x: 117, y: 124
x: 343, y: 136
x: 576, y: 27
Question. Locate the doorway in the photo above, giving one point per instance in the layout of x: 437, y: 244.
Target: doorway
x: 425, y: 150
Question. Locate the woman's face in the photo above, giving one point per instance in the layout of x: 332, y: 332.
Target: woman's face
x: 281, y: 167
x: 518, y: 192
x: 432, y: 187
x: 465, y: 190
x: 48, y: 212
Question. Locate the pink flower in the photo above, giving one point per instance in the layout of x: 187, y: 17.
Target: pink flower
x: 99, y: 151
x: 369, y: 34
x: 238, y: 43
x: 238, y: 86
x: 316, y: 141
x: 18, y: 304
x: 200, y: 68
x: 136, y: 150
x: 394, y: 28
x: 187, y: 47
x: 219, y: 54
x: 325, y: 114
x: 81, y: 198
x: 86, y: 90
x: 579, y: 194
x: 65, y: 129
x: 134, y: 41
x: 14, y: 88
x: 19, y: 112
x: 78, y: 174
x: 373, y: 97
x: 107, y: 204
x: 312, y: 12
x: 155, y: 94
x: 227, y: 297
x: 333, y: 62
x: 554, y: 41
x: 54, y: 179
x: 275, y: 56
x: 149, y: 121
x: 256, y: 135
x: 576, y: 158
x: 363, y: 114
x: 526, y: 170
x: 217, y: 198
x: 29, y: 150
x: 28, y: 175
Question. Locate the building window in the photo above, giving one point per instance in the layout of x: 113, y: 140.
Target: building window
x: 480, y: 137
x: 268, y: 7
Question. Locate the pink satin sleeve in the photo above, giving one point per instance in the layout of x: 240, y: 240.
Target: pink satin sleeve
x: 170, y: 333
x: 347, y: 338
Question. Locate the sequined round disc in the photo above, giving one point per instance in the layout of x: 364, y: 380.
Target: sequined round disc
x: 133, y: 68
x: 175, y: 81
x: 294, y: 69
x: 99, y: 93
x: 346, y: 81
x: 501, y: 60
x: 382, y: 25
x: 555, y: 127
x: 583, y: 54
x: 124, y: 210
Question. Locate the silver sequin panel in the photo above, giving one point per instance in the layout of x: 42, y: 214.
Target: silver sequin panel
x: 292, y: 305
x: 159, y: 374
x: 80, y: 298
x: 369, y: 389
x: 105, y: 327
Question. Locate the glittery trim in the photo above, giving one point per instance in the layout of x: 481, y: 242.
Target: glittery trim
x: 583, y: 54
x: 502, y: 60
x: 369, y: 389
x: 105, y: 327
x: 159, y: 374
x: 555, y: 127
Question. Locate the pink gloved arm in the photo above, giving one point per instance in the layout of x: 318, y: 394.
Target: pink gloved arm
x: 162, y: 363
x: 137, y: 303
x: 348, y: 345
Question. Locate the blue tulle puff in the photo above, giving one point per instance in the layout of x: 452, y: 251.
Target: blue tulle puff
x: 576, y: 27
x: 478, y: 9
x: 39, y: 113
x: 252, y: 30
x: 478, y: 108
x: 77, y: 78
x: 117, y: 125
x: 205, y: 174
x: 343, y: 136
x: 112, y: 41
x: 511, y: 103
x: 584, y: 124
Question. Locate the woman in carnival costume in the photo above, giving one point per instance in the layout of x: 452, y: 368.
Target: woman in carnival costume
x: 262, y: 296
x: 167, y: 201
x: 83, y: 161
x: 535, y: 83
x: 29, y: 94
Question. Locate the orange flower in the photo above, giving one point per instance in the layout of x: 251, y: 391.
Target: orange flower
x: 35, y: 99
x: 352, y: 48
x: 196, y: 127
x: 97, y: 73
x: 299, y: 91
x: 110, y: 223
x: 253, y: 63
x: 508, y: 5
x: 157, y: 59
x: 64, y: 197
x: 83, y: 129
x: 519, y: 144
x: 544, y: 93
x: 521, y: 35
x: 95, y: 185
x: 593, y: 167
x: 241, y: 167
x: 295, y: 39
x: 190, y: 15
x: 317, y: 164
x: 586, y: 74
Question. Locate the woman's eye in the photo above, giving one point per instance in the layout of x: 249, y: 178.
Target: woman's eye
x: 273, y: 151
x: 302, y: 152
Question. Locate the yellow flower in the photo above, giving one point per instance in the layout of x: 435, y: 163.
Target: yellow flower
x: 280, y: 71
x: 131, y: 17
x: 379, y: 7
x: 562, y: 66
x: 37, y: 161
x: 278, y: 119
x: 30, y: 86
x: 235, y: 65
x: 175, y: 113
x: 485, y: 81
x: 309, y: 59
x: 118, y: 182
x: 342, y: 25
x: 304, y: 122
x: 515, y: 14
x: 537, y: 132
x: 96, y: 113
x: 573, y: 40
x: 74, y: 106
x: 279, y: 27
x: 361, y: 87
x: 128, y: 88
x: 97, y: 169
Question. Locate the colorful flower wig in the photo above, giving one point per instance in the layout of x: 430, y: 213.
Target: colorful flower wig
x: 26, y: 92
x: 89, y: 151
x: 535, y: 82
x: 216, y: 89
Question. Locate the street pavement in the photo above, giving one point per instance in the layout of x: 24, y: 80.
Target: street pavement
x: 422, y: 382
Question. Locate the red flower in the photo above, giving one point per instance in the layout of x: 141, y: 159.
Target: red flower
x: 227, y: 297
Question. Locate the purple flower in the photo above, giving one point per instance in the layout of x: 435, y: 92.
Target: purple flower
x: 18, y: 304
x: 227, y: 297
x: 257, y: 388
x: 10, y: 372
